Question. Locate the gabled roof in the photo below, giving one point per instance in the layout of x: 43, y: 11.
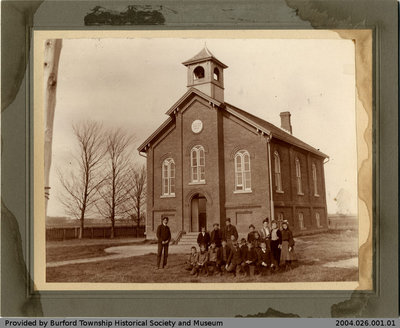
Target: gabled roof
x: 258, y: 123
x: 276, y: 132
x: 154, y: 134
x: 186, y: 95
x: 202, y: 56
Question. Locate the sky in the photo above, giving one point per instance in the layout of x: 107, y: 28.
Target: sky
x: 130, y: 83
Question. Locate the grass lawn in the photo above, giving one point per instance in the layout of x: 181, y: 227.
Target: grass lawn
x: 82, y: 249
x: 313, y: 251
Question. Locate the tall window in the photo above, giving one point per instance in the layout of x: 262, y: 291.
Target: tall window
x: 315, y: 181
x: 318, y: 220
x: 168, y: 177
x: 301, y: 221
x: 242, y: 171
x: 197, y: 163
x: 277, y: 168
x: 298, y: 177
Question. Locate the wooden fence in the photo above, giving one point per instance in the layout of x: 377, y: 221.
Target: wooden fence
x: 63, y: 233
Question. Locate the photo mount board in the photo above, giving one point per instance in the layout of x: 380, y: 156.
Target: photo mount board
x: 17, y: 212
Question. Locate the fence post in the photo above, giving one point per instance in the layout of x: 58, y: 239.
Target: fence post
x: 92, y: 232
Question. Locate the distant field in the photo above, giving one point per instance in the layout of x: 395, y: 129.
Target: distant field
x: 62, y: 222
x: 342, y: 222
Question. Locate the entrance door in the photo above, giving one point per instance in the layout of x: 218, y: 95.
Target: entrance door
x: 199, y: 213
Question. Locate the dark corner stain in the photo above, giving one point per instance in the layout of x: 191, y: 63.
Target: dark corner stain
x: 270, y: 313
x: 351, y: 308
x: 15, y: 17
x: 133, y: 15
x: 327, y: 14
x: 16, y: 280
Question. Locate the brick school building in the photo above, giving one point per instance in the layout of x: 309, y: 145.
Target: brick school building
x: 211, y: 160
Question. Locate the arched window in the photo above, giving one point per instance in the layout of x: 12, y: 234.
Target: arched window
x: 198, y: 73
x: 301, y: 221
x: 197, y: 163
x: 216, y: 74
x: 168, y: 177
x: 277, y: 169
x: 318, y: 220
x: 298, y: 177
x: 315, y: 181
x: 242, y: 171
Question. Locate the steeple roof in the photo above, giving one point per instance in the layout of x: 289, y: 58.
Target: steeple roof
x: 202, y: 56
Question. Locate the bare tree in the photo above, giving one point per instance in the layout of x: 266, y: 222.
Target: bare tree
x: 137, y: 193
x: 112, y: 191
x: 81, y: 184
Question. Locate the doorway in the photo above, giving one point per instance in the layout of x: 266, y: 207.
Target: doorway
x: 199, y: 212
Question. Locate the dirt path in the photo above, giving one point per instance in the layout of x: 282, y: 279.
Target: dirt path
x: 119, y: 252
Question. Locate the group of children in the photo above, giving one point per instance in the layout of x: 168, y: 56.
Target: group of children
x: 263, y: 252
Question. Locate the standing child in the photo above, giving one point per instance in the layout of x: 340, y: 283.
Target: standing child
x: 250, y: 235
x: 275, y: 242
x: 256, y: 241
x: 192, y: 259
x: 287, y: 247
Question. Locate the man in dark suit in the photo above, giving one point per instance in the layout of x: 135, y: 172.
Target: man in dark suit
x: 216, y: 235
x: 163, y: 237
x: 230, y: 233
x: 203, y: 238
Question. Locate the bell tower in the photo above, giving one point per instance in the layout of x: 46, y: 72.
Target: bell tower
x: 206, y: 73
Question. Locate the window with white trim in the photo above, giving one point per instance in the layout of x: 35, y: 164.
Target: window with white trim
x: 298, y: 177
x: 301, y: 221
x: 197, y: 164
x: 315, y: 181
x: 168, y: 177
x: 242, y: 171
x: 277, y: 170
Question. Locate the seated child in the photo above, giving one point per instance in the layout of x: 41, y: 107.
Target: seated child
x: 192, y: 259
x: 212, y: 258
x: 243, y: 251
x: 222, y: 256
x: 264, y: 259
x: 235, y: 260
x: 202, y: 260
x: 250, y: 260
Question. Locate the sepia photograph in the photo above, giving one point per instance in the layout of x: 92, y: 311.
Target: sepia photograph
x: 225, y: 160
